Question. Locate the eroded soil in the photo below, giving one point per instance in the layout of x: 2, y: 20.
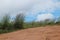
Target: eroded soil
x: 39, y: 33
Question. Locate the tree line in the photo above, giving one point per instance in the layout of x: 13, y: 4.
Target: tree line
x: 6, y: 25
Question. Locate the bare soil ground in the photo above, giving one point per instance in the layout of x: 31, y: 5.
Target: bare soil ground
x: 39, y: 33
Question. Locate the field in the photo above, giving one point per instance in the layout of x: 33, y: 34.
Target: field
x: 39, y: 33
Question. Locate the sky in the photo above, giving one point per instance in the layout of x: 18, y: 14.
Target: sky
x: 34, y: 10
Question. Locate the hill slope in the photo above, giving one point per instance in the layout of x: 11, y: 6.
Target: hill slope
x: 39, y: 33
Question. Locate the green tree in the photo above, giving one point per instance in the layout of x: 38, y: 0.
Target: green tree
x: 5, y: 22
x: 18, y: 22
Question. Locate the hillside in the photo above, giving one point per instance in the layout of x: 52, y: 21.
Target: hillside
x: 39, y: 33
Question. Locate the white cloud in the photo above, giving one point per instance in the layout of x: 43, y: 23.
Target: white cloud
x: 14, y: 6
x: 45, y: 6
x: 28, y: 6
x: 25, y: 5
x: 45, y: 16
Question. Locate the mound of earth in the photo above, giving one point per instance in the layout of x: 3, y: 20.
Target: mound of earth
x: 39, y: 33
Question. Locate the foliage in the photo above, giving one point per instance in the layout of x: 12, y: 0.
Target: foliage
x: 6, y: 25
x: 5, y: 22
x: 18, y: 22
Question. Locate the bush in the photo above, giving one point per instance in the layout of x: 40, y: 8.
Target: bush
x: 6, y: 25
x: 19, y: 21
x: 5, y: 22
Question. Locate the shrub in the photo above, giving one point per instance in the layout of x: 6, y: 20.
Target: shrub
x: 5, y: 22
x: 18, y: 22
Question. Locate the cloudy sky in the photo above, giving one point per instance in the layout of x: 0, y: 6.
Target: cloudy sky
x: 33, y: 9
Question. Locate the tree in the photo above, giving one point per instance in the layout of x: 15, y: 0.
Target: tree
x: 18, y: 22
x: 5, y: 22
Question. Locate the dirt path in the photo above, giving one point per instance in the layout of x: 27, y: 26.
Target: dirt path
x: 40, y: 33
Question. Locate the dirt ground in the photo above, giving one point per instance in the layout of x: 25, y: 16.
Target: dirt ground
x: 39, y: 33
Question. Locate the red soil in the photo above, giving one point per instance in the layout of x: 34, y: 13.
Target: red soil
x: 39, y: 33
